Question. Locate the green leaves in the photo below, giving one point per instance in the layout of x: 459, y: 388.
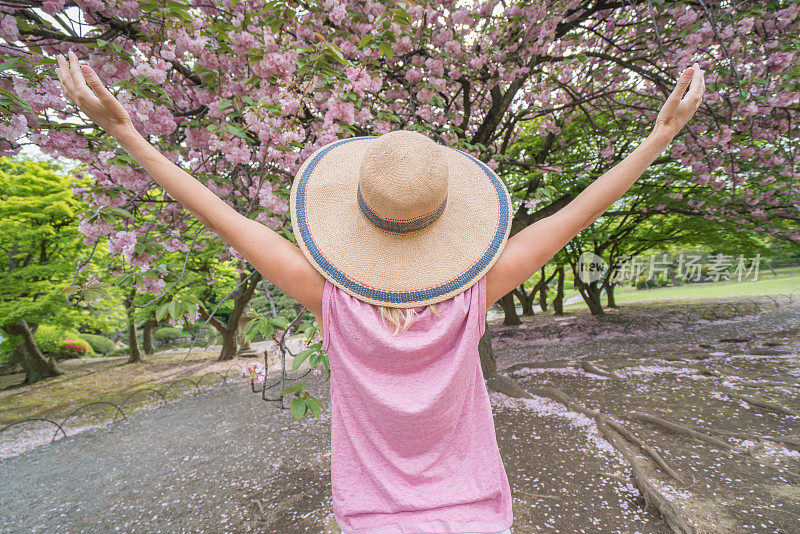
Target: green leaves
x: 323, y: 59
x: 10, y: 63
x: 238, y: 132
x: 258, y: 325
x: 382, y: 40
x: 87, y: 292
x: 168, y: 10
x: 303, y: 401
x: 300, y: 357
x: 109, y: 214
x: 151, y: 247
x: 401, y: 16
x: 288, y: 234
x: 178, y: 306
x: 385, y: 48
x: 10, y: 98
x: 122, y: 159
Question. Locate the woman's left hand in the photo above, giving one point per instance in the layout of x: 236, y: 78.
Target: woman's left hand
x: 678, y: 109
x: 91, y: 96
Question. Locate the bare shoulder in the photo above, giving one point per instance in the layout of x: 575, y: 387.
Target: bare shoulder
x: 299, y: 279
x: 510, y: 270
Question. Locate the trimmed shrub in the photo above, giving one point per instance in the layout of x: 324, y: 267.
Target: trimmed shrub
x: 74, y: 348
x: 168, y: 334
x: 119, y: 352
x: 50, y: 338
x: 100, y: 344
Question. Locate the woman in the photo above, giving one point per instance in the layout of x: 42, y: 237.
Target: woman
x: 395, y: 227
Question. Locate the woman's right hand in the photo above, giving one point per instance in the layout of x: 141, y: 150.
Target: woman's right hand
x: 678, y: 109
x: 91, y: 96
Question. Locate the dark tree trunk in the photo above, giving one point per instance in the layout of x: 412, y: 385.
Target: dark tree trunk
x: 147, y: 336
x: 230, y: 330
x: 133, y: 345
x: 558, y: 302
x: 591, y: 295
x: 486, y: 353
x: 229, y: 345
x: 510, y: 311
x: 526, y: 299
x: 495, y: 381
x: 610, y: 295
x: 28, y: 355
x: 543, y: 292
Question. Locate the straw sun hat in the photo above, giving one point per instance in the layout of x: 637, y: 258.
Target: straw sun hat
x: 399, y: 220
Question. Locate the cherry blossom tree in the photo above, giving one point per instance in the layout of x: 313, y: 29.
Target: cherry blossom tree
x: 241, y: 93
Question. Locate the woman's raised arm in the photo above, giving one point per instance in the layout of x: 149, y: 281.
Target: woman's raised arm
x: 280, y: 261
x: 527, y: 251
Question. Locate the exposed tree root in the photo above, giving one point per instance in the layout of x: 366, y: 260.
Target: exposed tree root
x: 615, y: 477
x: 755, y: 448
x: 791, y: 442
x: 679, y: 357
x: 769, y: 405
x: 505, y: 385
x: 552, y: 364
x: 625, y: 441
x: 657, y: 458
x: 669, y: 511
x: 559, y: 396
x: 769, y: 384
x: 703, y: 433
x: 679, y: 429
x: 589, y: 367
x: 616, y: 434
x: 750, y: 383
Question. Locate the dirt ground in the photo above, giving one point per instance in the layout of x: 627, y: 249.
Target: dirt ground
x: 226, y: 461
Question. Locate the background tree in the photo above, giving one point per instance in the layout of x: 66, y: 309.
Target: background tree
x: 39, y: 240
x: 241, y: 94
x: 469, y: 76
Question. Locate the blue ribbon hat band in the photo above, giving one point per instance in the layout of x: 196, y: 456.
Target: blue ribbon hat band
x: 396, y: 226
x: 399, y: 227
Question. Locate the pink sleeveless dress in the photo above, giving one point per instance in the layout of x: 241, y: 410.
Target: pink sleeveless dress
x: 413, y: 444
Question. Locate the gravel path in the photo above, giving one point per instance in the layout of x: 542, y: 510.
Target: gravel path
x: 201, y: 463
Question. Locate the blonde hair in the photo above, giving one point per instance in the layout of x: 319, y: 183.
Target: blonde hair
x: 402, y: 318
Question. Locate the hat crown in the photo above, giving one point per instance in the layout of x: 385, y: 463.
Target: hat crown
x: 403, y: 181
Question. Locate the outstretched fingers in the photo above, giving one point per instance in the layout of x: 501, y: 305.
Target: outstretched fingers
x: 698, y: 87
x: 64, y: 76
x: 671, y: 105
x: 81, y: 89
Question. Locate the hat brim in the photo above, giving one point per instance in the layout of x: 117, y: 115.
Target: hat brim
x: 401, y: 271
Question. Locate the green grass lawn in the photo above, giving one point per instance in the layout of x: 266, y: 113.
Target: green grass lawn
x: 788, y: 280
